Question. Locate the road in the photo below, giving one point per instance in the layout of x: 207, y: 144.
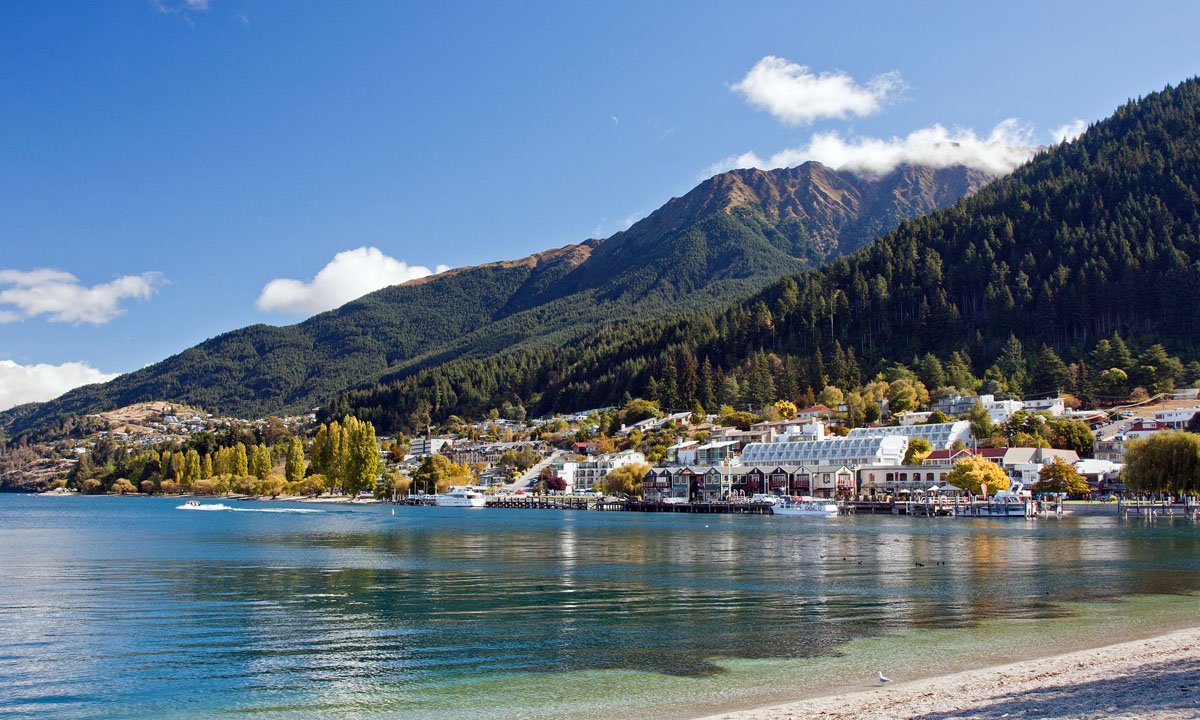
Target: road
x: 531, y: 475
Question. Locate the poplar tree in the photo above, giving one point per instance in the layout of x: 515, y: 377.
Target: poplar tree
x: 192, y: 466
x: 239, y: 465
x: 294, y: 468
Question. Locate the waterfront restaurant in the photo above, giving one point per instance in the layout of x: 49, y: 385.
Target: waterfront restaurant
x: 905, y: 480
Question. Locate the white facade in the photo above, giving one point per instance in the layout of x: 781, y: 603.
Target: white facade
x: 849, y: 451
x: 1001, y: 410
x: 1177, y: 418
x: 941, y: 436
x: 590, y: 473
x: 1053, y: 406
x: 420, y: 447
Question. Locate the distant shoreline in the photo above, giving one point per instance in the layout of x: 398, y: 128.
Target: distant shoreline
x: 332, y: 499
x: 1156, y: 678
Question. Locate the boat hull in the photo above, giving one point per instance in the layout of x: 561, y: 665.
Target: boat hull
x: 807, y: 510
x: 461, y: 502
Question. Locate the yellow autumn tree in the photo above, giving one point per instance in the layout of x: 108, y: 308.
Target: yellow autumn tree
x: 973, y: 472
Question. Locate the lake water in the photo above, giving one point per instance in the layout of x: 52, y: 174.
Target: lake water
x: 132, y: 608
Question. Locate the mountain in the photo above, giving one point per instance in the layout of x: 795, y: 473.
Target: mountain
x: 1089, y: 239
x: 728, y: 237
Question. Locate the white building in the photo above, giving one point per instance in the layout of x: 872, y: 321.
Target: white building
x: 1001, y: 410
x: 849, y: 451
x: 1176, y: 419
x: 422, y: 446
x: 1053, y: 406
x: 941, y: 436
x: 565, y: 470
x: 590, y: 473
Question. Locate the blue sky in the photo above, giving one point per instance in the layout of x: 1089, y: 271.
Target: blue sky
x: 166, y: 160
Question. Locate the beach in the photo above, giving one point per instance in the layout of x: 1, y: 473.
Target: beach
x: 1157, y: 678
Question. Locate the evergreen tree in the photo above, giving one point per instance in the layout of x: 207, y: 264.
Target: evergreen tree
x: 708, y: 392
x: 1050, y: 374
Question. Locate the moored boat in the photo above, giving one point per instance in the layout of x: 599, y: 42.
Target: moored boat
x: 800, y: 506
x: 461, y: 497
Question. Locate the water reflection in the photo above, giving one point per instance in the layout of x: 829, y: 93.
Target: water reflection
x: 328, y: 611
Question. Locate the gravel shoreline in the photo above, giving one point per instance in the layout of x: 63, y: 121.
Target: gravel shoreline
x: 1156, y: 678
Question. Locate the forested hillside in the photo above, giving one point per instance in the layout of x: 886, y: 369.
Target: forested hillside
x: 728, y: 238
x: 1088, y: 242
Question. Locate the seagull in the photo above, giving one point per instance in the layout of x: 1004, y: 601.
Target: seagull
x: 882, y: 679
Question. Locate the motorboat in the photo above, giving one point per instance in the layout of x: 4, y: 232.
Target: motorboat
x: 800, y: 506
x: 461, y: 497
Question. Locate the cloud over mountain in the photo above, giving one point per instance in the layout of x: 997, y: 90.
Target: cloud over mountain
x: 21, y: 384
x: 349, y: 275
x: 60, y: 295
x: 797, y: 96
x: 1008, y: 144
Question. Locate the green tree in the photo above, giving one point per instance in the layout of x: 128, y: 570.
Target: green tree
x: 982, y: 426
x: 918, y: 450
x: 436, y: 473
x: 626, y: 480
x: 831, y: 396
x: 1059, y: 476
x: 902, y: 396
x: 1050, y: 374
x: 971, y: 473
x: 1074, y: 435
x: 1164, y: 462
x: 1113, y: 383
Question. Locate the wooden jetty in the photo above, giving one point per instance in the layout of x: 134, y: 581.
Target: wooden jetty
x: 544, y: 502
x: 734, y: 508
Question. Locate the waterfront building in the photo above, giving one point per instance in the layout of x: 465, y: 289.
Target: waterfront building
x: 731, y: 482
x: 898, y: 480
x: 590, y: 473
x: 863, y: 449
x: 940, y: 435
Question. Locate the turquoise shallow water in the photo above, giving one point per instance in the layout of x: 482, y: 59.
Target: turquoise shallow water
x: 131, y: 608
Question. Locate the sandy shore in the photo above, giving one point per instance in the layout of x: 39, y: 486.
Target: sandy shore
x: 1157, y: 679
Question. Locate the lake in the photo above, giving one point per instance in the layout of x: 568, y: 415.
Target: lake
x: 133, y: 608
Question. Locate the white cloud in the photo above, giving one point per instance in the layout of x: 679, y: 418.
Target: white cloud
x: 171, y: 7
x: 1008, y: 145
x: 1069, y: 131
x: 797, y: 96
x: 20, y: 384
x: 351, y: 274
x: 60, y: 295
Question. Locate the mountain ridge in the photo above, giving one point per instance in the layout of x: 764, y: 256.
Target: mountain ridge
x: 730, y: 236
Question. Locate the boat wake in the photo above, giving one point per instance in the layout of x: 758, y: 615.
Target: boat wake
x: 220, y: 506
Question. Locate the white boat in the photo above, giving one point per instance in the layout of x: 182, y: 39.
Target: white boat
x: 461, y: 497
x: 799, y: 506
x: 1014, y: 502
